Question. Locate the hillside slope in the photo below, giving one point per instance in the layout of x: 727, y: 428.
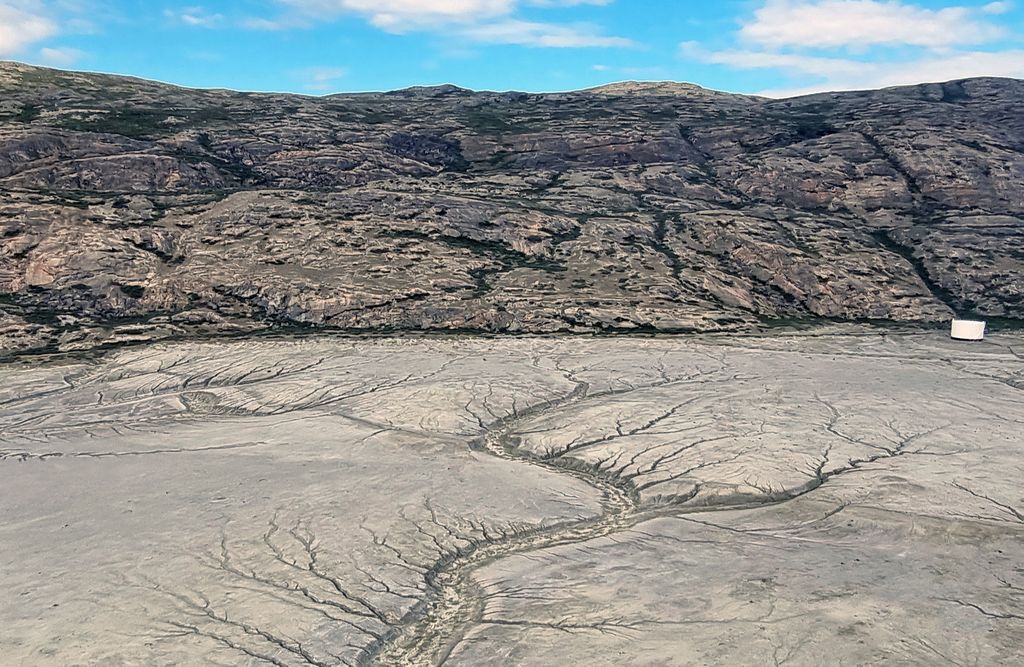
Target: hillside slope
x: 136, y: 210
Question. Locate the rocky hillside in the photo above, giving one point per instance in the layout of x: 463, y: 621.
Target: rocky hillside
x: 132, y: 210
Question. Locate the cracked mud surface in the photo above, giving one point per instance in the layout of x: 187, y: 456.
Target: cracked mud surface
x: 843, y: 498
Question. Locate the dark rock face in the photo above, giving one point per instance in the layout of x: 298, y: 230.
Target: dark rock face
x: 435, y: 151
x: 130, y: 209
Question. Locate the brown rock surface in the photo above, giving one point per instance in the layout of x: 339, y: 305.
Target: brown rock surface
x: 135, y: 208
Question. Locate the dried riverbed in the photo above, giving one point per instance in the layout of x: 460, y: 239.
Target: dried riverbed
x: 797, y: 499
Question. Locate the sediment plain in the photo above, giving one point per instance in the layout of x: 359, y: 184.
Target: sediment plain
x: 839, y: 496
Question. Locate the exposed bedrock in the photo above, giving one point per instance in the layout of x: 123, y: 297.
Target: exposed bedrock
x: 131, y: 210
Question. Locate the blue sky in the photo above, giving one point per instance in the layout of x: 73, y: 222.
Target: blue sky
x: 774, y: 47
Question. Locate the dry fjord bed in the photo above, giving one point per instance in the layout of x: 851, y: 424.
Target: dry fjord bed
x: 802, y: 500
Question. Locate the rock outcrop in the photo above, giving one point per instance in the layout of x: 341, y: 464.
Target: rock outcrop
x: 132, y: 210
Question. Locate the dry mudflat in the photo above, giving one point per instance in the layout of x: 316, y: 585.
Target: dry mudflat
x: 809, y: 499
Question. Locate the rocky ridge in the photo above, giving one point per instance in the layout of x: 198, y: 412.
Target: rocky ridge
x: 132, y: 210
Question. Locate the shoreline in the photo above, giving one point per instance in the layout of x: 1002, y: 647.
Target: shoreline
x: 809, y: 329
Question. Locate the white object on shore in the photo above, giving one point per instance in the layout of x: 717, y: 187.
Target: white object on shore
x: 968, y: 330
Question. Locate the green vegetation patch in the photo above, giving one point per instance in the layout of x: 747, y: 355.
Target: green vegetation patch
x: 142, y: 122
x: 494, y: 122
x: 26, y: 114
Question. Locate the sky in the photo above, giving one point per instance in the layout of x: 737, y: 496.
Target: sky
x: 769, y: 47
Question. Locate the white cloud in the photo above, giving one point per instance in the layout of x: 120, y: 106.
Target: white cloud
x: 482, y: 21
x: 568, y: 3
x: 22, y: 26
x: 859, y: 23
x: 847, y: 74
x: 322, y: 79
x: 196, y: 17
x: 997, y: 8
x: 257, y: 23
x: 529, y: 33
x: 60, y: 57
x: 793, y: 63
x: 824, y: 45
x: 405, y: 15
